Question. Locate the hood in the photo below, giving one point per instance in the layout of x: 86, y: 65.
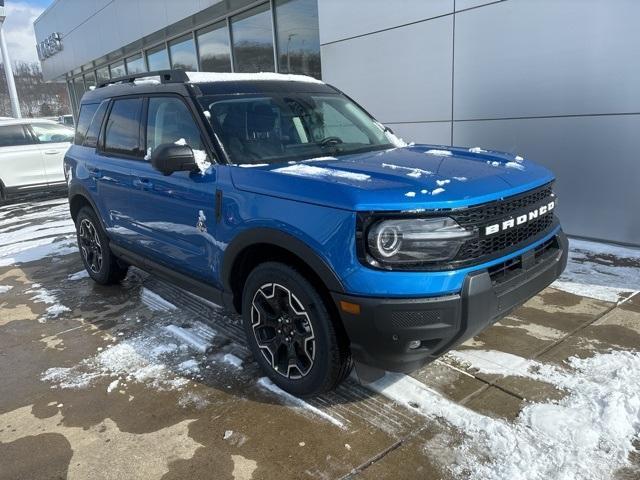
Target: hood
x: 403, y: 178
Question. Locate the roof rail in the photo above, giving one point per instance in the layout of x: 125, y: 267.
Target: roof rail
x: 166, y: 76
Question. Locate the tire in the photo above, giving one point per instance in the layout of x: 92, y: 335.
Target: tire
x: 93, y: 244
x: 291, y: 333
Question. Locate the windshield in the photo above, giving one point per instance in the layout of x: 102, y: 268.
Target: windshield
x: 274, y: 127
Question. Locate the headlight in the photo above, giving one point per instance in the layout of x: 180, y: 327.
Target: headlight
x: 415, y: 240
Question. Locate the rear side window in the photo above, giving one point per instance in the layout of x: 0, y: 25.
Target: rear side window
x: 122, y: 133
x: 84, y: 119
x: 52, y: 133
x: 91, y: 138
x: 13, y: 135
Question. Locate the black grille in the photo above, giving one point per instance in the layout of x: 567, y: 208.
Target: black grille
x: 482, y: 248
x: 475, y: 216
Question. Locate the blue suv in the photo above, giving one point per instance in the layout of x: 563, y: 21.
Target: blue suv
x: 280, y: 198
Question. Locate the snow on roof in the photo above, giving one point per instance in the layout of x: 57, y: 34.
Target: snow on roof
x: 203, y: 77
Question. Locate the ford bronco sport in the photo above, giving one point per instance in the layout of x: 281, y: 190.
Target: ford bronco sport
x: 280, y: 198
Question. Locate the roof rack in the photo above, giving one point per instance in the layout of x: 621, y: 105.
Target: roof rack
x: 166, y: 76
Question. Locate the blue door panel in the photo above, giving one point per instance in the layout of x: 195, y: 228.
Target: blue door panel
x: 167, y: 212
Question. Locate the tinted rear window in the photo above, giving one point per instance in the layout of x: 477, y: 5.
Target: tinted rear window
x: 84, y: 119
x: 91, y: 138
x: 12, y: 135
x: 122, y: 133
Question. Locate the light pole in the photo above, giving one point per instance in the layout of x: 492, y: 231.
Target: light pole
x: 8, y: 71
x: 291, y: 35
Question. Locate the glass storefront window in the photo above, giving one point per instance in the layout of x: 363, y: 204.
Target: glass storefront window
x: 102, y: 74
x: 183, y: 53
x: 213, y: 48
x: 117, y: 69
x: 157, y: 58
x: 298, y: 37
x: 89, y: 80
x: 135, y: 64
x: 253, y: 40
x: 78, y: 89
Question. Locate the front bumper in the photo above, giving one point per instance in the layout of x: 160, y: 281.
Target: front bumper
x: 381, y: 333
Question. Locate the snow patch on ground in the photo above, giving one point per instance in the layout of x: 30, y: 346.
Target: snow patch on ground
x: 601, y: 271
x: 78, y: 275
x: 494, y: 362
x: 5, y: 288
x: 296, y: 402
x: 30, y: 251
x: 42, y: 295
x: 156, y: 302
x: 231, y: 359
x: 586, y: 435
x: 147, y: 359
x: 194, y: 341
x: 303, y: 170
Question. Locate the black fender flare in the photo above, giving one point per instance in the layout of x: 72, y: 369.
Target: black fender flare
x: 79, y: 190
x: 278, y: 238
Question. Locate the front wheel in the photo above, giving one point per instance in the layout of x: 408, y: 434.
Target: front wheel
x: 290, y: 332
x: 93, y: 243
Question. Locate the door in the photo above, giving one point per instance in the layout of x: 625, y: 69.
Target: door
x: 175, y: 214
x: 54, y: 142
x: 118, y: 149
x: 21, y: 165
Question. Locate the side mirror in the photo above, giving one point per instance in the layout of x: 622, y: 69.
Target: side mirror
x: 169, y: 157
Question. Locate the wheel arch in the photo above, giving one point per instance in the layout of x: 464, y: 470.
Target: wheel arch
x: 258, y: 245
x: 78, y: 198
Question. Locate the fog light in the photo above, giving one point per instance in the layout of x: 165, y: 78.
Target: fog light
x: 413, y: 344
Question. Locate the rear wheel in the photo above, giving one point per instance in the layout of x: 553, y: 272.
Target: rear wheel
x: 291, y: 333
x: 93, y: 243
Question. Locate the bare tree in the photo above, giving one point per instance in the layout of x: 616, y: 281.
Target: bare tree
x: 37, y: 97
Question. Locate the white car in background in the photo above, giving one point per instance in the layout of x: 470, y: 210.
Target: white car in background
x: 31, y: 155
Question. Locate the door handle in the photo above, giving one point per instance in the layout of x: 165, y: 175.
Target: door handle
x: 142, y: 183
x: 94, y: 172
x: 51, y: 152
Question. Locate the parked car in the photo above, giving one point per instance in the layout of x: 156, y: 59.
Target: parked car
x: 280, y: 198
x: 66, y: 120
x: 31, y: 155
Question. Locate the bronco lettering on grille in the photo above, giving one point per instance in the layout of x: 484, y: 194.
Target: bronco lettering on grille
x: 519, y: 220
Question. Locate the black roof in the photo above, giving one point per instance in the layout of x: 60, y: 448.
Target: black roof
x: 177, y: 81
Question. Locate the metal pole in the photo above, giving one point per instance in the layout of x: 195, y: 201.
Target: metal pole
x: 8, y: 71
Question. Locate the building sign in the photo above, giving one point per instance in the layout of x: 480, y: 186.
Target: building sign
x: 49, y: 46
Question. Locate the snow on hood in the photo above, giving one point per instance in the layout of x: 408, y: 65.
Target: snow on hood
x: 402, y: 178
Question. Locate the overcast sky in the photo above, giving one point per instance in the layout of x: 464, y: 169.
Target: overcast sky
x: 18, y: 28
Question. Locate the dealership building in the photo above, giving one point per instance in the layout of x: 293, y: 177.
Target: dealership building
x: 557, y: 81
